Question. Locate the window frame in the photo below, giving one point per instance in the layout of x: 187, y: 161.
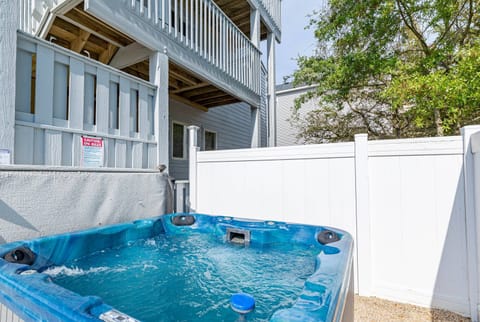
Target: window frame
x: 204, y: 139
x: 184, y: 143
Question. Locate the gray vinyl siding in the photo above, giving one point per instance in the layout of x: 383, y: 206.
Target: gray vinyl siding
x: 232, y: 124
x: 263, y: 109
x: 287, y: 134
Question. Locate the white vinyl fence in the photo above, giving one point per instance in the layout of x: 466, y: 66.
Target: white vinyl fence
x: 410, y: 205
x: 62, y: 96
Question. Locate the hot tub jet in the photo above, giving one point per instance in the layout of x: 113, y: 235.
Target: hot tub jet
x: 238, y: 236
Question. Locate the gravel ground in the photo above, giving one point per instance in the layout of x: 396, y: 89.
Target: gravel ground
x: 374, y: 309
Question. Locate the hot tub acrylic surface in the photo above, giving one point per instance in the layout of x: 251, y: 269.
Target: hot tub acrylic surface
x: 181, y: 268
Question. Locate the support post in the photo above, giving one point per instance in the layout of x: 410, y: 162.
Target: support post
x: 255, y: 121
x: 159, y: 77
x: 255, y: 110
x: 192, y: 166
x: 471, y: 171
x: 272, y: 99
x: 475, y: 145
x: 8, y: 52
x: 362, y: 206
x: 255, y: 27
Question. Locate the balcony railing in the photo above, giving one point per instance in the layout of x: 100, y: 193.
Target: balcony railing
x: 274, y: 9
x: 63, y: 96
x: 203, y: 28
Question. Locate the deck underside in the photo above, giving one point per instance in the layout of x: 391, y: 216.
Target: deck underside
x: 82, y: 32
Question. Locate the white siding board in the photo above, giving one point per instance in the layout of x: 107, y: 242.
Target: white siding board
x: 143, y: 106
x: 124, y: 110
x: 44, y: 86
x: 103, y: 106
x: 60, y: 89
x: 128, y: 154
x: 76, y: 149
x: 109, y: 153
x: 137, y: 155
x: 53, y: 147
x: 23, y: 89
x: 38, y: 147
x: 152, y: 156
x: 67, y: 149
x: 77, y: 97
x: 23, y: 145
x: 120, y: 153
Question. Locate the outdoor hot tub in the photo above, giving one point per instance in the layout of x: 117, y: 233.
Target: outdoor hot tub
x: 180, y: 267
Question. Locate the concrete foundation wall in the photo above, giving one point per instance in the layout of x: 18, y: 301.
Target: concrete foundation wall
x: 38, y: 203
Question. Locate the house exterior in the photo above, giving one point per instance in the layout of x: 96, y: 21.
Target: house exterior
x: 134, y: 74
x: 287, y: 133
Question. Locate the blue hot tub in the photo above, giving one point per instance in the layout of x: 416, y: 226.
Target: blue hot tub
x: 180, y: 267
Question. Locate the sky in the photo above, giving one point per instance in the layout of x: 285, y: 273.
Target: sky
x: 296, y: 40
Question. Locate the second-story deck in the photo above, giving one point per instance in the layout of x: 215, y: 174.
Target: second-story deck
x: 212, y: 61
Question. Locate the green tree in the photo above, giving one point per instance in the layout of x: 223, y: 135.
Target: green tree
x: 392, y: 68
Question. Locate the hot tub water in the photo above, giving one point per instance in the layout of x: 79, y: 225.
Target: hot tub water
x: 190, y: 277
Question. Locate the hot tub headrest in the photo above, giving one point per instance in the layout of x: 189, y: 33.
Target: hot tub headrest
x: 183, y: 220
x: 327, y: 236
x: 20, y: 255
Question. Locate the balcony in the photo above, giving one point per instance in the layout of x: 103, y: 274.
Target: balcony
x: 212, y: 61
x: 205, y: 47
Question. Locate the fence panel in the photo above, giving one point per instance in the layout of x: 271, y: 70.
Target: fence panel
x: 404, y: 202
x: 81, y: 97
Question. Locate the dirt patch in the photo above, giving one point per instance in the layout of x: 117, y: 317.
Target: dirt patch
x: 375, y: 309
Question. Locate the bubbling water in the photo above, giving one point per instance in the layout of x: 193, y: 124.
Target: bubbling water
x: 189, y: 278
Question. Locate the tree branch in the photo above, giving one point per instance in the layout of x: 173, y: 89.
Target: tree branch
x: 410, y: 25
x: 469, y: 22
x: 448, y: 27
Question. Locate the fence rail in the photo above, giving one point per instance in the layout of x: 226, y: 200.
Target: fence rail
x: 62, y: 96
x: 202, y: 27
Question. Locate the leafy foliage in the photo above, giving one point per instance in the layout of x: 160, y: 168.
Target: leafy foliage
x: 392, y: 68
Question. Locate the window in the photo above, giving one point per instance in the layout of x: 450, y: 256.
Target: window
x: 210, y: 141
x: 178, y: 141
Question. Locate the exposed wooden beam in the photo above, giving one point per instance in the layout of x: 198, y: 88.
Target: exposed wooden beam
x: 141, y: 68
x: 94, y: 48
x: 242, y: 24
x: 198, y: 91
x: 172, y: 86
x: 189, y: 88
x: 107, y: 54
x: 244, y: 14
x: 184, y: 78
x: 79, y: 25
x: 58, y: 32
x: 208, y: 96
x: 188, y: 102
x: 220, y: 101
x: 98, y: 26
x: 66, y: 26
x: 77, y: 44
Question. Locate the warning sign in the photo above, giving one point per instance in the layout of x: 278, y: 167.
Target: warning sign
x: 92, y: 152
x: 4, y: 156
